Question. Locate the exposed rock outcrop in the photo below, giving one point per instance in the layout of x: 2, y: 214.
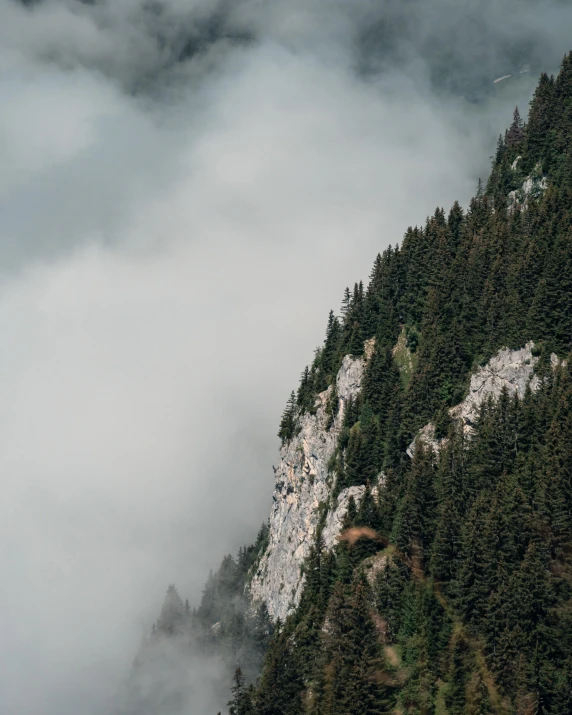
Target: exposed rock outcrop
x: 302, y: 494
x: 510, y: 369
x: 303, y: 488
x: 534, y: 184
x: 336, y: 515
x: 375, y: 564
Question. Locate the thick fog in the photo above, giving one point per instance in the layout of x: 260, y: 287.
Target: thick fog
x: 186, y: 187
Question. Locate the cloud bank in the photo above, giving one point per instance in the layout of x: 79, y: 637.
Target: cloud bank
x: 185, y: 189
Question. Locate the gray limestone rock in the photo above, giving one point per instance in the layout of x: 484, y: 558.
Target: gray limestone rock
x: 302, y: 491
x: 303, y: 484
x: 533, y: 185
x: 336, y: 515
x: 426, y: 435
x: 510, y: 369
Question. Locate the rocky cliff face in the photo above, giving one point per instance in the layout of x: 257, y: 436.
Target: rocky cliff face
x: 303, y: 493
x: 512, y: 370
x: 533, y: 185
x: 303, y: 489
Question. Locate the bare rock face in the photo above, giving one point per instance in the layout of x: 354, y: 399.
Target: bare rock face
x: 338, y: 511
x: 510, y: 369
x: 336, y: 515
x: 426, y: 435
x: 302, y: 492
x: 534, y: 185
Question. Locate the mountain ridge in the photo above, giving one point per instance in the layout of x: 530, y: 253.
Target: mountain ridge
x: 450, y: 589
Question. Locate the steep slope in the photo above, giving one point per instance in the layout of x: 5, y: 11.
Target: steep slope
x: 510, y: 370
x: 420, y: 540
x: 302, y: 495
x: 418, y: 557
x: 187, y: 661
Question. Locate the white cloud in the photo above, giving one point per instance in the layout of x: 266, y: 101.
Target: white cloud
x: 44, y: 122
x: 169, y: 262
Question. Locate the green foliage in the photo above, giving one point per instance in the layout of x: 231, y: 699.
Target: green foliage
x: 225, y: 624
x: 241, y: 703
x: 353, y: 664
x: 289, y: 421
x: 451, y: 591
x: 467, y: 602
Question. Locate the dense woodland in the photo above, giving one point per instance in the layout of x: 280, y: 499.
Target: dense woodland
x: 462, y: 602
x: 457, y: 598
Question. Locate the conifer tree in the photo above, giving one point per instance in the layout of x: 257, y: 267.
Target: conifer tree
x: 241, y: 703
x: 288, y: 422
x: 515, y: 134
x: 353, y: 684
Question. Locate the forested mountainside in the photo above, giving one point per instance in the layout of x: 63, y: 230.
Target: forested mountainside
x: 435, y: 485
x: 188, y: 659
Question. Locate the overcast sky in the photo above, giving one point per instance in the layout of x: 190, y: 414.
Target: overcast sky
x: 186, y: 188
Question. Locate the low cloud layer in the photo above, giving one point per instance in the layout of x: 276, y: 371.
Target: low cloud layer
x: 184, y: 194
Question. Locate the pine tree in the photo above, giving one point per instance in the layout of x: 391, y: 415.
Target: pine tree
x: 356, y: 663
x: 516, y: 132
x: 172, y: 616
x: 241, y: 703
x: 288, y: 422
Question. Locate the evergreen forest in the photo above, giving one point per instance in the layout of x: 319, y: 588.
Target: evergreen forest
x: 452, y: 593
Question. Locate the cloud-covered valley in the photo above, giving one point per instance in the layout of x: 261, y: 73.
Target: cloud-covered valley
x: 185, y: 190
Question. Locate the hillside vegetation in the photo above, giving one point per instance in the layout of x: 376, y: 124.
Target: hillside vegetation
x: 450, y: 588
x: 455, y: 596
